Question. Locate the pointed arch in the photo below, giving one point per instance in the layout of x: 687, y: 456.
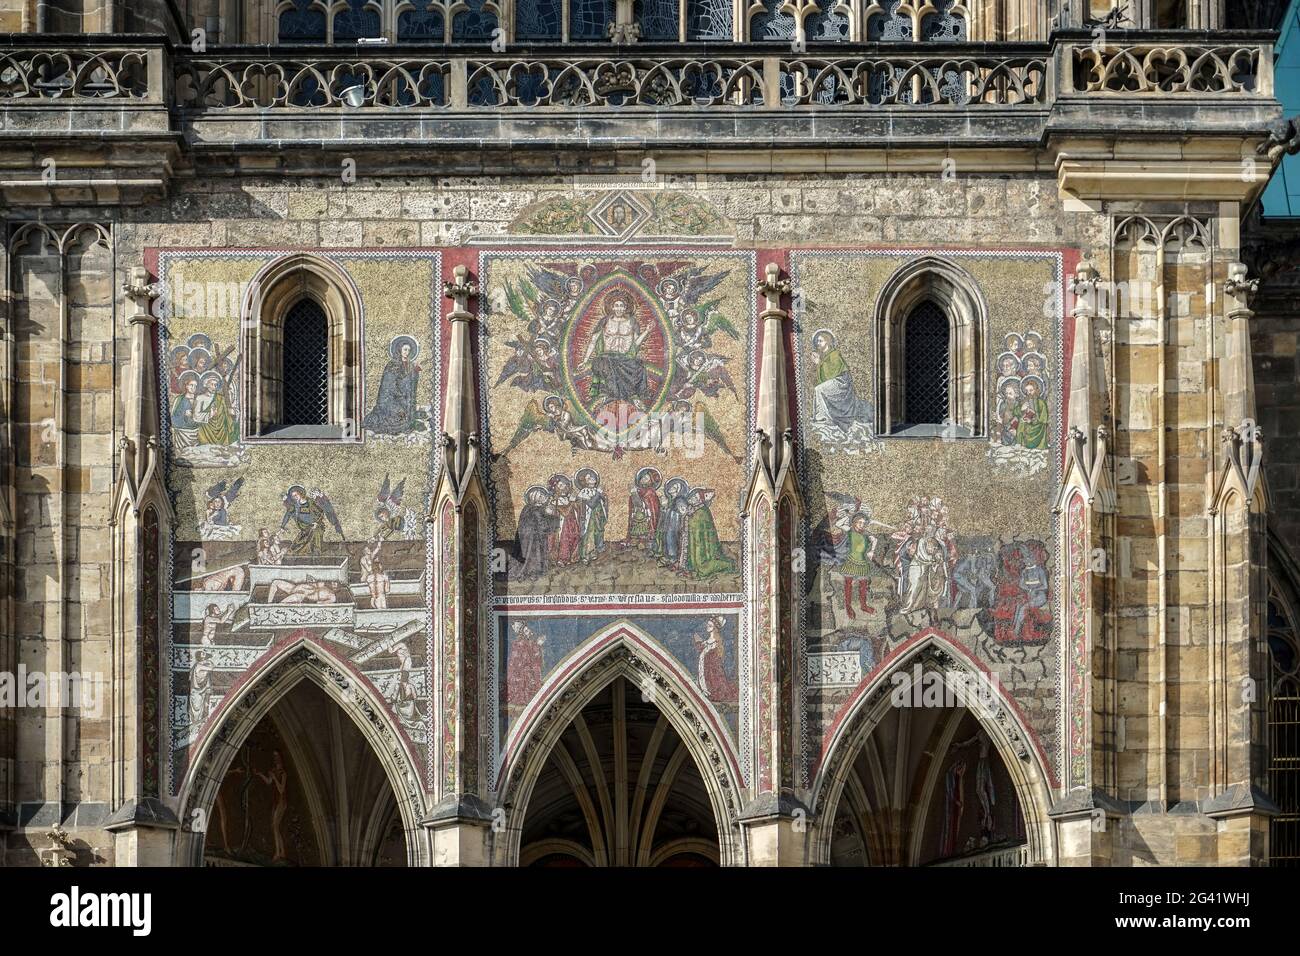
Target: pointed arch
x: 620, y: 650
x: 969, y: 684
x: 273, y: 294
x: 256, y: 697
x: 947, y: 287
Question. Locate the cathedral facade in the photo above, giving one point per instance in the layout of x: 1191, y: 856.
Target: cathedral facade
x: 655, y: 433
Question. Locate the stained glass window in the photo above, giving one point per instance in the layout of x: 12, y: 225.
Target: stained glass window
x: 828, y: 24
x: 538, y: 19
x: 304, y: 23
x: 943, y: 26
x: 708, y: 19
x: 657, y: 19
x: 589, y: 19
x: 772, y: 23
x: 890, y: 26
x: 925, y: 353
x: 424, y: 23
x: 357, y: 19
x: 474, y: 23
x: 306, y: 365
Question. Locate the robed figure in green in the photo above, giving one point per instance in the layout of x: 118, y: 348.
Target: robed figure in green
x: 219, y: 425
x: 702, y: 555
x: 1034, y: 415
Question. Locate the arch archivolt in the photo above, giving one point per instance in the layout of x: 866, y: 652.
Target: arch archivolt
x: 970, y: 688
x: 622, y: 650
x: 255, y: 699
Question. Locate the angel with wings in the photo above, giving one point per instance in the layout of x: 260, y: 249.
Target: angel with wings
x: 553, y: 415
x: 216, y: 519
x: 534, y: 365
x: 390, y: 516
x: 696, y: 333
x: 703, y: 372
x: 690, y: 427
x: 309, y: 512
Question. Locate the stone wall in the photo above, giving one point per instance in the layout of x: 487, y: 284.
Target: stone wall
x: 64, y: 392
x: 996, y: 224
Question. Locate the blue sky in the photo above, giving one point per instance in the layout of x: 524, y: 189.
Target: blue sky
x: 1282, y: 197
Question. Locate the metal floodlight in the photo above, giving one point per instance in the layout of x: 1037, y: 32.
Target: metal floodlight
x: 354, y: 95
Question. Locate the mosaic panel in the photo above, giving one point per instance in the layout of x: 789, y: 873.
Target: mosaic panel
x: 278, y: 541
x: 895, y: 543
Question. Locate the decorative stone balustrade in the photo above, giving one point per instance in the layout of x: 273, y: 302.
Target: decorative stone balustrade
x: 613, y: 82
x: 679, y: 77
x: 1159, y: 69
x: 115, y: 115
x: 88, y: 74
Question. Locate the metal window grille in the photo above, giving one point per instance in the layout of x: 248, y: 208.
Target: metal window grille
x: 306, y: 365
x: 1284, y: 740
x: 925, y: 373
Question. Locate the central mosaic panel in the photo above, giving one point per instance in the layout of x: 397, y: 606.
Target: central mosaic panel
x: 617, y: 403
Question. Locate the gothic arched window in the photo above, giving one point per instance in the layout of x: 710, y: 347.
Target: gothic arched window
x: 589, y: 21
x: 422, y: 23
x: 303, y: 22
x: 306, y: 369
x: 898, y: 21
x: 475, y: 21
x: 926, y: 364
x: 930, y: 321
x: 356, y: 19
x: 301, y: 352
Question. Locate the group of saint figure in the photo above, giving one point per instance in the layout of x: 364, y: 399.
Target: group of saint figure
x: 564, y: 522
x: 676, y: 528
x: 202, y: 410
x: 1022, y: 416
